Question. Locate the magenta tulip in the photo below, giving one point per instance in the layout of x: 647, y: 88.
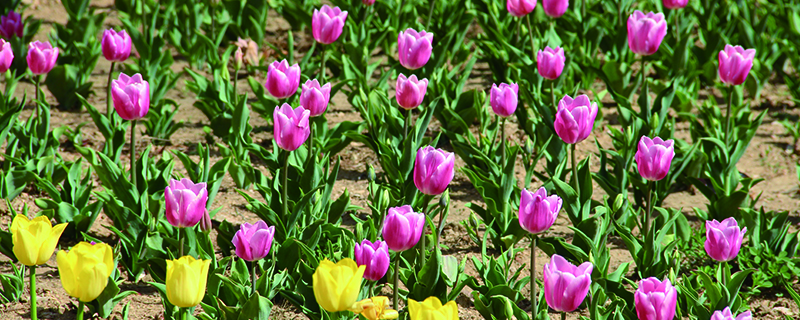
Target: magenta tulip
x: 654, y: 157
x: 645, y: 32
x: 566, y: 285
x: 291, y: 127
x: 185, y: 202
x: 402, y: 228
x: 41, y: 57
x: 11, y: 25
x: 368, y: 2
x: 520, y: 8
x: 116, y: 45
x: 655, y: 300
x: 375, y: 256
x: 327, y: 24
x: 723, y: 239
x: 414, y: 48
x: 503, y: 99
x: 735, y: 64
x: 575, y: 118
x: 550, y: 62
x: 6, y: 55
x: 433, y: 170
x: 725, y: 314
x: 282, y: 80
x: 253, y: 241
x: 675, y: 4
x: 555, y: 8
x: 315, y: 98
x: 537, y: 211
x: 131, y: 96
x: 410, y: 92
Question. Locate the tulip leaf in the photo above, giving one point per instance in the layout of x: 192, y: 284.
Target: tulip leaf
x: 257, y: 307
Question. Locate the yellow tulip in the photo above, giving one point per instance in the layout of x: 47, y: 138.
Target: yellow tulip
x: 375, y: 308
x: 34, y: 240
x: 432, y: 309
x: 84, y: 269
x: 336, y: 286
x: 186, y: 281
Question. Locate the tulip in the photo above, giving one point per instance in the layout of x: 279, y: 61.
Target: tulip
x: 253, y: 241
x: 315, y: 98
x: 675, y: 4
x: 402, y: 228
x: 11, y: 25
x: 503, y: 99
x: 250, y: 53
x: 414, y: 48
x: 655, y: 300
x: 555, y: 8
x: 520, y: 8
x: 537, y: 211
x: 433, y: 170
x: 654, y: 157
x: 116, y: 45
x: 375, y: 308
x: 34, y: 240
x: 238, y: 58
x: 645, y: 32
x: 368, y: 2
x: 282, y: 80
x: 735, y: 64
x: 566, y: 285
x: 336, y: 286
x: 186, y: 281
x: 6, y: 55
x: 185, y: 202
x: 327, y: 24
x: 375, y: 256
x: 131, y: 96
x: 291, y: 127
x: 723, y: 239
x: 410, y: 91
x: 432, y: 309
x: 205, y: 223
x: 725, y: 314
x: 550, y: 62
x: 41, y: 57
x: 575, y: 118
x: 84, y: 269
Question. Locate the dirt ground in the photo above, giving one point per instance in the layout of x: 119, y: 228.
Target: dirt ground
x: 766, y: 158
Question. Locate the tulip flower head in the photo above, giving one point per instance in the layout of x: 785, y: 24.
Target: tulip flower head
x: 550, y: 62
x: 131, y: 96
x: 11, y: 25
x: 116, y: 45
x: 185, y: 202
x: 537, y: 211
x: 432, y: 309
x: 84, y: 269
x: 34, y: 240
x: 503, y: 99
x: 654, y: 157
x: 433, y: 170
x: 414, y: 48
x: 735, y: 64
x: 655, y: 300
x: 6, y: 55
x: 402, y: 228
x: 566, y: 285
x: 291, y: 127
x: 253, y: 241
x: 410, y: 92
x: 723, y: 239
x: 282, y: 79
x: 247, y: 51
x: 205, y: 223
x: 315, y: 98
x: 520, y: 8
x: 555, y: 8
x: 375, y: 308
x: 336, y: 285
x: 645, y: 32
x: 41, y: 57
x: 725, y: 314
x: 327, y: 24
x: 575, y: 118
x: 368, y: 2
x: 675, y: 4
x: 375, y: 256
x: 186, y: 281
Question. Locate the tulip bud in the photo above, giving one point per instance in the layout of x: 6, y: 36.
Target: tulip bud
x: 410, y: 92
x: 116, y: 46
x: 11, y: 25
x: 205, y: 223
x: 34, y: 240
x: 575, y: 118
x: 433, y: 170
x: 520, y: 8
x: 645, y: 32
x: 503, y: 99
x: 282, y: 80
x: 185, y: 202
x: 327, y: 24
x: 444, y: 200
x: 654, y: 157
x: 432, y: 309
x: 41, y: 57
x: 253, y: 241
x: 238, y: 58
x: 566, y: 285
x: 336, y: 286
x: 370, y: 173
x: 735, y: 64
x: 655, y: 300
x: 6, y: 55
x: 131, y: 96
x: 725, y: 314
x: 84, y: 269
x: 555, y: 8
x: 402, y: 228
x: 291, y: 128
x: 723, y: 239
x: 537, y: 211
x: 186, y: 281
x: 315, y: 98
x: 414, y: 48
x: 375, y: 256
x: 675, y: 4
x: 529, y: 146
x: 550, y: 62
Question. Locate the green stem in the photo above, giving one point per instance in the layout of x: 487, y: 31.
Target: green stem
x: 396, y: 281
x: 108, y: 95
x: 185, y: 313
x: 33, y: 293
x: 144, y: 19
x: 38, y: 79
x: 253, y: 278
x: 728, y: 124
x: 80, y: 310
x: 725, y: 272
x: 503, y: 142
x: 430, y: 14
x: 133, y: 154
x: 645, y: 89
x: 407, y: 123
x: 563, y: 316
x: 422, y: 252
x: 530, y: 33
x: 534, y: 300
x: 553, y: 93
x: 311, y: 154
x: 575, y: 169
x: 648, y: 214
x: 677, y: 28
x: 180, y: 242
x: 235, y: 86
x: 322, y: 69
x: 519, y: 29
x: 284, y: 191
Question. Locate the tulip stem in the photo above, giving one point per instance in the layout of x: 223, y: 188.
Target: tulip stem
x: 311, y: 155
x: 396, y: 281
x: 133, y: 154
x: 322, y: 67
x: 180, y: 242
x: 724, y: 273
x: 144, y: 18
x: 648, y: 213
x: 553, y: 93
x: 728, y: 124
x: 235, y: 87
x: 80, y: 310
x: 575, y: 170
x: 430, y: 14
x: 38, y: 80
x: 423, y: 241
x: 534, y: 299
x: 645, y: 90
x: 563, y: 316
x: 108, y: 95
x: 503, y: 142
x: 530, y: 33
x: 284, y: 192
x: 253, y: 277
x: 677, y: 28
x: 33, y: 293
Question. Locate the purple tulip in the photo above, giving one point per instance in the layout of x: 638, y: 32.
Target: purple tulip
x: 131, y: 96
x: 375, y: 256
x: 566, y: 285
x: 185, y: 202
x: 327, y: 24
x: 519, y: 8
x: 315, y: 98
x: 116, y: 45
x: 433, y: 170
x: 537, y: 211
x: 654, y: 157
x: 368, y: 2
x: 282, y: 80
x: 205, y: 223
x: 645, y: 32
x: 725, y: 314
x: 291, y: 126
x: 575, y: 118
x: 253, y: 241
x: 723, y: 239
x: 11, y: 25
x: 6, y: 55
x: 41, y: 57
x: 402, y: 228
x: 414, y: 48
x: 675, y: 4
x: 655, y: 300
x: 503, y: 99
x: 410, y: 92
x: 735, y: 64
x: 550, y: 62
x: 555, y: 8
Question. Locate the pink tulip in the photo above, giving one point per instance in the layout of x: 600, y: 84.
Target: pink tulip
x: 433, y: 170
x: 555, y: 8
x: 205, y: 223
x: 282, y: 80
x: 116, y: 45
x: 520, y: 8
x: 41, y: 57
x: 315, y: 98
x: 253, y: 241
x: 675, y: 4
x: 654, y: 157
x: 655, y: 300
x: 131, y: 96
x: 11, y: 25
x: 575, y: 118
x: 414, y: 48
x: 726, y: 314
x: 402, y: 228
x: 735, y: 64
x: 503, y: 99
x: 537, y: 211
x: 291, y: 127
x: 368, y: 2
x: 550, y: 62
x: 645, y: 32
x: 327, y: 24
x: 723, y: 239
x: 6, y: 55
x: 566, y: 285
x: 375, y: 256
x: 410, y: 92
x: 185, y: 202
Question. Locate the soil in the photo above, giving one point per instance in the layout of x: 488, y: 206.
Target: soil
x: 766, y: 158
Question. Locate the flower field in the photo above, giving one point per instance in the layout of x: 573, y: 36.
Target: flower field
x: 399, y: 159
